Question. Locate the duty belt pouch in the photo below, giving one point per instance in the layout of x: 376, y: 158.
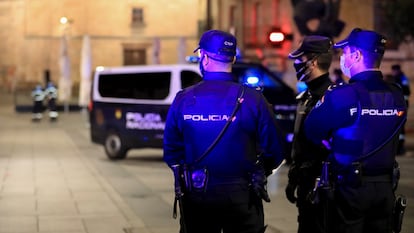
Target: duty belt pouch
x: 195, y: 179
x: 199, y: 178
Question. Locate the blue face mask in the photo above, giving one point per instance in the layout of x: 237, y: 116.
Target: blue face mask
x: 345, y: 70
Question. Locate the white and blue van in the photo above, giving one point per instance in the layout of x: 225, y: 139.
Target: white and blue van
x: 129, y: 104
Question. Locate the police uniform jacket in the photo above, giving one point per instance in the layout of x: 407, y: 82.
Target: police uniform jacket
x: 360, y: 122
x: 199, y: 113
x: 307, y: 156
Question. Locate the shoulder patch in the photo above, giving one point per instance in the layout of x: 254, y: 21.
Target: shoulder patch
x: 337, y: 86
x: 334, y: 86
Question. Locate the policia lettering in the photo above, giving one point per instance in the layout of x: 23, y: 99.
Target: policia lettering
x: 377, y: 112
x: 198, y: 117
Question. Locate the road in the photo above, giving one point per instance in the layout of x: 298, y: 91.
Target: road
x: 53, y: 179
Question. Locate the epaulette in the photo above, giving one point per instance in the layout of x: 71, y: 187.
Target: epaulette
x: 334, y: 86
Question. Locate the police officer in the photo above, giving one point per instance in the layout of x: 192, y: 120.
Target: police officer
x: 360, y: 122
x: 37, y: 97
x: 51, y: 96
x: 225, y: 186
x: 311, y: 61
x: 401, y: 79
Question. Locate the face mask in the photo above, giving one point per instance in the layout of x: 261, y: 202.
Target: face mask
x: 345, y: 70
x: 302, y: 73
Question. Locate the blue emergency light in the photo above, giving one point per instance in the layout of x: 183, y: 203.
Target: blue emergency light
x: 252, y: 80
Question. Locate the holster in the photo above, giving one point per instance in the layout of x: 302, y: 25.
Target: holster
x: 398, y: 214
x: 323, y: 189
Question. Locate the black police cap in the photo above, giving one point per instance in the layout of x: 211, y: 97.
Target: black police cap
x: 312, y: 44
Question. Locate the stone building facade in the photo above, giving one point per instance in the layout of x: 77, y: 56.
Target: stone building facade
x: 121, y: 32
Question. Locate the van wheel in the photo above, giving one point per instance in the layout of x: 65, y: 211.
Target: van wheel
x: 114, y: 148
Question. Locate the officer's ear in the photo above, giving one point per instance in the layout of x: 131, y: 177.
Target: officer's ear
x: 206, y: 58
x: 202, y: 54
x: 358, y: 55
x: 234, y: 60
x: 312, y: 62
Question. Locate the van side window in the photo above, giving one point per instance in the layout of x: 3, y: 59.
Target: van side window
x: 153, y: 86
x: 189, y: 78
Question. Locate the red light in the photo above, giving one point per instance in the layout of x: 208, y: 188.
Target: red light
x: 276, y: 37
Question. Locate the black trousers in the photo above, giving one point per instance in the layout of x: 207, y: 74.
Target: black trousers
x: 37, y: 107
x: 223, y: 208
x: 364, y: 209
x: 312, y: 218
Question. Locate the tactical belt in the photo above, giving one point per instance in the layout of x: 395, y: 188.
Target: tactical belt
x: 380, y: 178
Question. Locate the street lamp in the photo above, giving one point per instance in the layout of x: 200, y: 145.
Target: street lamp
x: 64, y: 20
x: 65, y: 82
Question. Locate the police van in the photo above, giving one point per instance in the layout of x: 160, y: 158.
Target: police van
x: 129, y: 104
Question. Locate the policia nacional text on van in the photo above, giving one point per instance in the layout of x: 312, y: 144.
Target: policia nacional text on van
x: 360, y: 123
x: 215, y: 160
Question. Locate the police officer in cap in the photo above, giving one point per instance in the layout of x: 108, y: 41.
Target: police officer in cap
x: 38, y: 97
x: 360, y: 122
x: 51, y: 93
x: 311, y: 61
x: 226, y: 178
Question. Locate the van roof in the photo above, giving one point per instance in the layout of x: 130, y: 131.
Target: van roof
x: 134, y: 68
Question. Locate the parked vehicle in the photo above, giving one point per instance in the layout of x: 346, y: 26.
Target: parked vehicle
x: 129, y: 104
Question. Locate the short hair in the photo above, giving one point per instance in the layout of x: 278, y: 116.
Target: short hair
x: 220, y: 58
x: 324, y: 59
x: 371, y: 59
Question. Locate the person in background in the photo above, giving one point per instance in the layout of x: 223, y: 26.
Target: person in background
x: 51, y: 93
x: 311, y: 61
x: 37, y: 97
x: 222, y: 138
x: 401, y: 79
x: 360, y: 123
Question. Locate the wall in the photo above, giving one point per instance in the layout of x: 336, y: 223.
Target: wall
x: 31, y: 34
